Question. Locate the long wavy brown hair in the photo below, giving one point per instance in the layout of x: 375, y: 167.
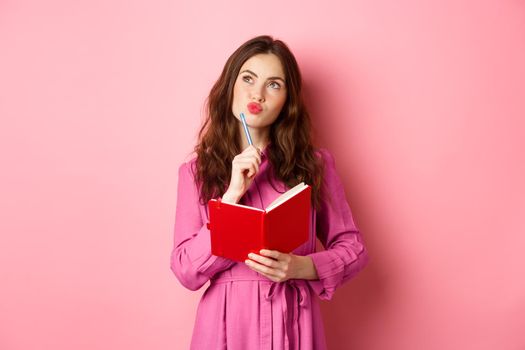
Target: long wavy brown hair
x: 290, y: 150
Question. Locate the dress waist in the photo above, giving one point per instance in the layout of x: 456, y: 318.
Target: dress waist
x: 229, y: 278
x: 294, y: 296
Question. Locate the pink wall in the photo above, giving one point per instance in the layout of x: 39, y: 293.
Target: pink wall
x: 422, y: 105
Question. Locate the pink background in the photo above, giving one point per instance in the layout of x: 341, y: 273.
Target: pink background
x: 422, y: 104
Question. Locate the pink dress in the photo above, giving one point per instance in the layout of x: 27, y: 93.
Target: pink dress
x: 243, y: 310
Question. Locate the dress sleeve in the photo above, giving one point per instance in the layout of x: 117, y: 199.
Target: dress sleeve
x: 191, y: 259
x: 345, y: 254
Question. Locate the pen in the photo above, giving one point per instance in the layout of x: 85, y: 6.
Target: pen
x: 246, y: 129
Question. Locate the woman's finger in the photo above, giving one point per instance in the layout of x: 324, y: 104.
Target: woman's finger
x: 264, y: 260
x: 253, y: 152
x: 244, y: 165
x: 265, y: 270
x: 249, y: 157
x: 252, y: 167
x: 274, y: 254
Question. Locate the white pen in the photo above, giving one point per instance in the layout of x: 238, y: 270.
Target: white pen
x: 246, y: 129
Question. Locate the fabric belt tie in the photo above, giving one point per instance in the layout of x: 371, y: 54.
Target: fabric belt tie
x: 294, y: 295
x: 295, y: 291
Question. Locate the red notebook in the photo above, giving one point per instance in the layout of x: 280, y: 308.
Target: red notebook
x: 237, y: 230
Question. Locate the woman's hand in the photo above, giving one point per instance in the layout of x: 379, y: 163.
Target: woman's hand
x: 280, y: 267
x: 244, y: 168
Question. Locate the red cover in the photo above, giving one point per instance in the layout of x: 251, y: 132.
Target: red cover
x: 287, y: 226
x: 238, y: 230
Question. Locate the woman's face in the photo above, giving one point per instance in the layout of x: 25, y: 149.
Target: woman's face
x: 260, y: 90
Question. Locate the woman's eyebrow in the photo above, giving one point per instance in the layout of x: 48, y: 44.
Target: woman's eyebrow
x: 270, y: 78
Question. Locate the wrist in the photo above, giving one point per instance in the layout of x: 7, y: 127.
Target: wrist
x: 307, y: 269
x: 229, y: 197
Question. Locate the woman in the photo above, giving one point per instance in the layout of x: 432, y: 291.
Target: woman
x: 268, y: 302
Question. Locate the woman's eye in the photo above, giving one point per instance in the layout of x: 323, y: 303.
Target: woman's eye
x: 247, y: 78
x: 274, y: 85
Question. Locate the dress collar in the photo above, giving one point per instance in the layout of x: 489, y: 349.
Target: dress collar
x: 265, y: 150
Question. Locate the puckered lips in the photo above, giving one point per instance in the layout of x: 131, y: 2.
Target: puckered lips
x: 254, y: 108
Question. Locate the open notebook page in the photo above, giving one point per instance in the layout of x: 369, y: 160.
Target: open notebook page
x: 286, y: 195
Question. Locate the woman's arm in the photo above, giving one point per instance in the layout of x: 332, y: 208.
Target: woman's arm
x: 191, y: 258
x: 345, y: 253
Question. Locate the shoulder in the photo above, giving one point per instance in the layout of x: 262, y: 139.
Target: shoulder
x: 330, y: 176
x: 188, y: 168
x: 326, y: 157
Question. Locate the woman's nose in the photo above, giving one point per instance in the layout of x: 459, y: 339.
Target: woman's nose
x: 258, y: 98
x: 257, y: 95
